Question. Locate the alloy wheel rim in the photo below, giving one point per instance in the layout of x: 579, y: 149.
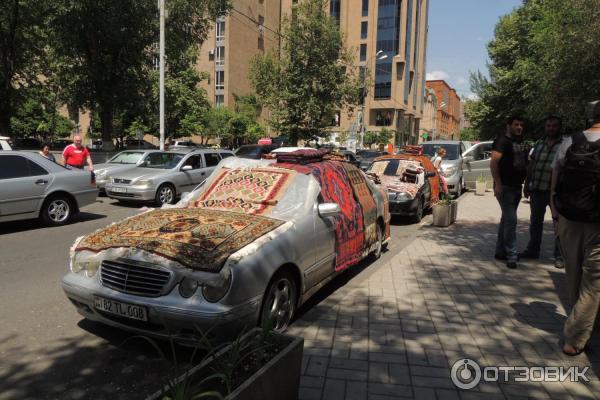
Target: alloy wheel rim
x: 280, y: 310
x: 58, y: 210
x: 379, y: 239
x: 166, y: 195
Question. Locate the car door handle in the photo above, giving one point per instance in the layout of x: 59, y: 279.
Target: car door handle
x: 202, y: 173
x: 41, y: 182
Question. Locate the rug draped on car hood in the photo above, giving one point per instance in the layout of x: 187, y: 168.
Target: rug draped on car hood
x: 201, y: 239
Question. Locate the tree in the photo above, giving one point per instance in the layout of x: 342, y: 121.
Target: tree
x: 469, y: 134
x: 23, y: 27
x: 384, y: 137
x: 311, y: 79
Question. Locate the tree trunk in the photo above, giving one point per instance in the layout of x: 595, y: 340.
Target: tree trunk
x: 106, y: 119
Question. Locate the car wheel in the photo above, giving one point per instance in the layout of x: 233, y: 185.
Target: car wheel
x: 418, y: 216
x: 165, y: 194
x: 378, y: 250
x: 57, y: 210
x: 279, y: 303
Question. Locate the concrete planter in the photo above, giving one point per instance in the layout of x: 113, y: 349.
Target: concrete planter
x: 277, y: 379
x: 445, y: 214
x: 480, y: 188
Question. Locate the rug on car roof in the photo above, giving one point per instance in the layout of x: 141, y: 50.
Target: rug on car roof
x: 198, y: 238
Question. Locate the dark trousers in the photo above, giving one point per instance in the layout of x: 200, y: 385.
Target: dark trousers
x: 539, y: 201
x: 506, y: 245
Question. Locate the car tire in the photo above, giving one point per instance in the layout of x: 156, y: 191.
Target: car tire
x: 165, y: 194
x: 376, y: 254
x: 57, y: 210
x: 418, y: 216
x: 279, y: 302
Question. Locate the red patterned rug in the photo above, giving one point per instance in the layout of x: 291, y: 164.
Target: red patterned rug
x: 252, y: 191
x: 363, y: 195
x: 200, y: 239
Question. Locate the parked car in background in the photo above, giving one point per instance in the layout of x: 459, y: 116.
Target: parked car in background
x: 412, y: 182
x: 120, y: 162
x: 366, y: 157
x: 254, y: 151
x: 248, y: 248
x: 31, y: 186
x: 60, y: 144
x: 477, y: 163
x: 5, y: 143
x: 26, y: 144
x: 290, y: 149
x: 132, y: 144
x: 452, y: 163
x: 97, y: 144
x: 164, y: 175
x: 350, y: 157
x: 183, y: 144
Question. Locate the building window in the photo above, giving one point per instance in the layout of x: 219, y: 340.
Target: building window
x: 220, y: 58
x: 220, y: 30
x: 364, y: 29
x: 388, y: 41
x: 261, y: 43
x: 334, y: 10
x: 219, y: 100
x: 365, y: 8
x: 363, y: 52
x: 384, y: 117
x: 219, y: 80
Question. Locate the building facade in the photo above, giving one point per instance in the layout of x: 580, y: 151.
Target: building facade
x: 447, y: 120
x: 429, y: 116
x: 389, y: 39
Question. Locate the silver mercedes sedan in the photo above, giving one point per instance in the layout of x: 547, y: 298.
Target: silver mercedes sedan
x: 121, y: 162
x: 163, y: 176
x: 31, y: 186
x: 249, y: 247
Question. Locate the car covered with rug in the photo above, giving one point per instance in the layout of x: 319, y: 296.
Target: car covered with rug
x: 412, y: 182
x: 249, y: 247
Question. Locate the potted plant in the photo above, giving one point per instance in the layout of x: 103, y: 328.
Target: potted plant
x: 444, y: 212
x: 480, y: 185
x: 258, y: 365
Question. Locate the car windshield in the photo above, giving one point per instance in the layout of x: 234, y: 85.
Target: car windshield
x: 452, y: 153
x: 127, y: 157
x: 248, y: 151
x: 162, y: 160
x: 368, y: 154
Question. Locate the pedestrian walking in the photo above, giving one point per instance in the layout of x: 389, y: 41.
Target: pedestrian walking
x: 537, y: 188
x: 437, y: 163
x: 76, y: 155
x: 509, y: 169
x: 45, y: 152
x: 576, y: 201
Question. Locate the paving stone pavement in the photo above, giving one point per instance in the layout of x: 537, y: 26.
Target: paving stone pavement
x: 396, y: 329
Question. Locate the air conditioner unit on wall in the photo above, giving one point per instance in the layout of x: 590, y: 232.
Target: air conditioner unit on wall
x: 211, y: 52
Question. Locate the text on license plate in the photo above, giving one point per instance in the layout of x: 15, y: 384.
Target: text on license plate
x: 119, y: 189
x: 122, y: 309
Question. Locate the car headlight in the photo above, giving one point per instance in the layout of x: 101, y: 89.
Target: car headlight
x: 215, y: 293
x: 403, y: 196
x: 449, y: 171
x: 187, y: 287
x: 89, y: 267
x: 144, y: 182
x: 100, y: 174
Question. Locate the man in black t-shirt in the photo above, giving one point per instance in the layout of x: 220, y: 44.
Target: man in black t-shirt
x: 509, y: 168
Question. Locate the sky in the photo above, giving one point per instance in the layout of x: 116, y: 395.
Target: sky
x: 459, y: 31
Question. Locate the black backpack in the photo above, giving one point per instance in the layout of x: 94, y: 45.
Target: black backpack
x: 577, y: 196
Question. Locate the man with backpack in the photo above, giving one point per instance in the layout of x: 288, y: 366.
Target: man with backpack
x: 576, y: 202
x: 537, y: 187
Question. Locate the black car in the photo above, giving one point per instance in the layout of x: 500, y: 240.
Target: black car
x: 350, y: 157
x: 254, y: 151
x: 366, y: 157
x: 60, y: 144
x: 26, y: 144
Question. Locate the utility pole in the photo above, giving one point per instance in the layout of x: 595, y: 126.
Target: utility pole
x: 161, y: 73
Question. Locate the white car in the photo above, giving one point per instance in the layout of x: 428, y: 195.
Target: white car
x: 5, y: 143
x: 290, y: 149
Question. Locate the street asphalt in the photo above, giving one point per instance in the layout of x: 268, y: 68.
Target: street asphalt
x: 48, y: 351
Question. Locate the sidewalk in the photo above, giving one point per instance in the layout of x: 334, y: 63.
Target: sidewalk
x: 395, y: 330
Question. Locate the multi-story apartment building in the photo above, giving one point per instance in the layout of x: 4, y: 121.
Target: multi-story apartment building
x: 447, y: 121
x: 389, y: 38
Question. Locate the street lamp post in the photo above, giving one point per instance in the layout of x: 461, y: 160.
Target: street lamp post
x: 378, y: 56
x: 161, y: 73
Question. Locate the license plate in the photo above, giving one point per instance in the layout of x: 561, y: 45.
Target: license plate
x: 121, y: 309
x: 117, y: 189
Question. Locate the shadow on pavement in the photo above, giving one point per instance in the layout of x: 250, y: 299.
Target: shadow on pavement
x: 31, y: 224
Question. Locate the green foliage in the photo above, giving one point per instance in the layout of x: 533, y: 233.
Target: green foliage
x: 378, y: 137
x: 469, y: 134
x: 544, y: 60
x: 33, y: 118
x: 311, y: 79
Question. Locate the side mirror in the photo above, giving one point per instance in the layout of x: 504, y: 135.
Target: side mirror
x: 429, y: 174
x: 186, y: 168
x: 468, y: 159
x: 329, y: 210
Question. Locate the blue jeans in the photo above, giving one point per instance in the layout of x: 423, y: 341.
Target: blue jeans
x: 539, y: 201
x: 506, y: 245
